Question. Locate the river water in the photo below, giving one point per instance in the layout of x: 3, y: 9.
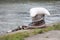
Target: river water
x: 14, y: 14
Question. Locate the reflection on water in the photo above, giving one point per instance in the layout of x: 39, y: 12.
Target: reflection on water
x: 13, y: 15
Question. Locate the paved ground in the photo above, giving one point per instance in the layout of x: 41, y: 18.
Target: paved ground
x: 51, y: 35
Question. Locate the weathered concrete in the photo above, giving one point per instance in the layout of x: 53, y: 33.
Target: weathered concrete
x: 51, y: 35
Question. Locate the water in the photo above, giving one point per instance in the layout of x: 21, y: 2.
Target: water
x: 15, y: 14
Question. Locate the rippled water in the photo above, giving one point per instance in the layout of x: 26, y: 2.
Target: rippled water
x: 15, y: 14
